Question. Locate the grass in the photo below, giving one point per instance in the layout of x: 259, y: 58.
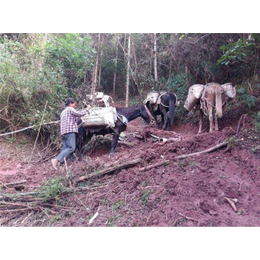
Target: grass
x: 145, y: 196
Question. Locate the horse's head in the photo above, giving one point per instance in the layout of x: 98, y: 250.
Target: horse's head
x: 144, y: 114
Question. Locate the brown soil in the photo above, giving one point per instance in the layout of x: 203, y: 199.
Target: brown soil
x: 195, y: 191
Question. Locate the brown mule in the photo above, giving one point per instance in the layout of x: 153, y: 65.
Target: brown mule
x: 212, y: 100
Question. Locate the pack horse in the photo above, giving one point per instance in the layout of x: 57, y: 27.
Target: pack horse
x: 160, y: 103
x: 113, y: 121
x: 209, y: 99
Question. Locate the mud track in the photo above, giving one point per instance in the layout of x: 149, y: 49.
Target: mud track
x: 221, y: 188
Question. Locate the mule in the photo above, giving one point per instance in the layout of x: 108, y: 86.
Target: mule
x: 212, y: 100
x: 124, y: 115
x: 161, y: 107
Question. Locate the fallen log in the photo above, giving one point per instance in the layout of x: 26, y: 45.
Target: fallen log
x: 205, y: 151
x: 165, y: 162
x: 99, y: 173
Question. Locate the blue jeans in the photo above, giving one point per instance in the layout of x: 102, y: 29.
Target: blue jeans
x: 68, y: 146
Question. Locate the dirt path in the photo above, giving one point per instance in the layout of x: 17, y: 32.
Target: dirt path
x: 221, y: 188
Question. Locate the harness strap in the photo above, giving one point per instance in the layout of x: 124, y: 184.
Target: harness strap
x: 123, y: 119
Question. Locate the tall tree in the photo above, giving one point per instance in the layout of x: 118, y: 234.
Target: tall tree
x: 128, y: 71
x: 155, y: 60
x: 95, y: 71
x: 114, y: 79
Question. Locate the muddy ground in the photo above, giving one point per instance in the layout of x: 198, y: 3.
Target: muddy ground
x: 219, y: 188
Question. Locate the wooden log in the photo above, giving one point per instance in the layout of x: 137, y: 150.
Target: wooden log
x: 165, y: 162
x: 202, y: 152
x: 99, y: 173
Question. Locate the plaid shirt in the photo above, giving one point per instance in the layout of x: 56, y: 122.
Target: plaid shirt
x: 68, y: 120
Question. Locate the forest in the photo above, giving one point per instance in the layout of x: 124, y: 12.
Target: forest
x: 156, y: 178
x: 40, y: 68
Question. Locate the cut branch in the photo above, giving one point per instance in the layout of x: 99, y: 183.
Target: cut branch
x: 202, y: 152
x: 165, y: 162
x: 109, y: 170
x: 29, y: 127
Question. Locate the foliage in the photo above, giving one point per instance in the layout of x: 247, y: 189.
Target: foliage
x: 35, y: 71
x: 241, y: 57
x: 257, y: 123
x: 69, y: 56
x: 51, y: 189
x: 245, y: 96
x: 237, y: 51
x: 36, y: 68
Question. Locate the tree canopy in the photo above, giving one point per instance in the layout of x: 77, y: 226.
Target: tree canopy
x: 35, y: 68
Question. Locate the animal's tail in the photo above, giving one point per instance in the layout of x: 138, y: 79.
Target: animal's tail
x: 172, y: 102
x: 219, y: 103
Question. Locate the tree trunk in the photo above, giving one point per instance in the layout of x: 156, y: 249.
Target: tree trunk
x: 114, y: 80
x: 100, y: 63
x: 95, y: 70
x: 155, y: 61
x: 128, y: 71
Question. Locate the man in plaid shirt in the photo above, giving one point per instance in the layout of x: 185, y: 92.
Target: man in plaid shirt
x: 68, y: 130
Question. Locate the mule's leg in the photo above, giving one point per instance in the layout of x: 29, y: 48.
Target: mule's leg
x: 216, y: 122
x: 211, y: 118
x: 114, y: 143
x: 168, y: 123
x: 165, y: 119
x: 156, y: 122
x: 200, y: 123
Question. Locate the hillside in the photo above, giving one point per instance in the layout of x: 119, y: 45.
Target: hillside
x: 218, y: 188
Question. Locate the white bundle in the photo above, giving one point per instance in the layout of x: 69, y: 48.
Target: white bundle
x: 194, y: 94
x: 229, y: 90
x: 100, y: 116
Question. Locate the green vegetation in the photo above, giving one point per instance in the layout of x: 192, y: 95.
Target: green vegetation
x: 40, y: 68
x: 51, y: 189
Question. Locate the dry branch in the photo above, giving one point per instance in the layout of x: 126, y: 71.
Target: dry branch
x: 205, y: 151
x: 8, y: 185
x: 239, y: 124
x: 99, y: 173
x: 232, y: 204
x: 165, y: 162
x: 29, y: 127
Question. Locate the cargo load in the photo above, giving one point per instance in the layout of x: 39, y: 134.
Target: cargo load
x: 100, y: 116
x: 229, y: 90
x: 194, y: 95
